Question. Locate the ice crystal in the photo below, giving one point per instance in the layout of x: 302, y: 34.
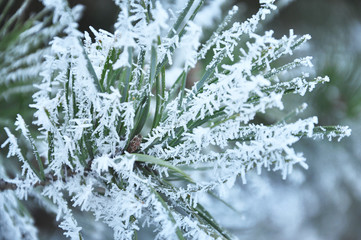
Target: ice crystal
x: 131, y: 168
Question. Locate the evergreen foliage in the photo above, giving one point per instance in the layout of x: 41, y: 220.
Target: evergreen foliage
x: 119, y: 134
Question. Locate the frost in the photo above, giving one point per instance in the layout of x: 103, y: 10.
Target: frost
x: 104, y: 151
x: 190, y: 45
x: 15, y: 223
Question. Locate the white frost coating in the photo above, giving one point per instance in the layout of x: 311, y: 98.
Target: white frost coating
x: 93, y: 100
x: 77, y: 127
x: 20, y: 125
x: 23, y: 185
x: 69, y: 225
x: 64, y: 15
x: 101, y: 164
x: 14, y: 222
x: 132, y: 31
x: 190, y: 44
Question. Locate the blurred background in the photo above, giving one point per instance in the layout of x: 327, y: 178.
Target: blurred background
x: 323, y: 202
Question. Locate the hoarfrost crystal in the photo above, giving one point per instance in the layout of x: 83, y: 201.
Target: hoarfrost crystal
x: 103, y: 150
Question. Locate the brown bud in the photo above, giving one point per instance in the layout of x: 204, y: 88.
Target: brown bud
x: 134, y: 144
